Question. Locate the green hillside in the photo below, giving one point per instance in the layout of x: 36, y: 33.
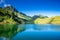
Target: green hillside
x: 42, y: 21
x: 56, y: 20
x: 52, y: 20
x: 11, y: 16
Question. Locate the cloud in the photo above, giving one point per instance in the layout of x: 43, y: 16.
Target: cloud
x: 1, y: 1
x: 5, y: 5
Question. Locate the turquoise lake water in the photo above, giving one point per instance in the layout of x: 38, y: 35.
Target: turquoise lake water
x: 38, y: 32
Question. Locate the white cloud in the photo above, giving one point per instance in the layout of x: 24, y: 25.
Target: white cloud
x: 5, y: 5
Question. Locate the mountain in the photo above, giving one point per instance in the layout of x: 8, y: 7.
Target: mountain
x: 39, y: 16
x: 11, y: 16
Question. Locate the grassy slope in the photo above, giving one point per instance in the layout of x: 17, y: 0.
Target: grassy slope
x: 53, y: 20
x: 6, y: 18
x: 19, y: 17
x: 56, y: 20
x: 42, y: 21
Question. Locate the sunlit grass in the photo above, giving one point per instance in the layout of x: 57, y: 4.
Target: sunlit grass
x: 52, y: 20
x: 56, y: 20
x: 42, y: 21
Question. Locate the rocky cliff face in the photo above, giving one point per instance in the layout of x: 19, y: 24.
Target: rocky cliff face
x: 11, y: 16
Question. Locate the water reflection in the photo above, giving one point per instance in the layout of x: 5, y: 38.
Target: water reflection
x: 39, y: 32
x: 7, y: 31
x: 42, y: 27
x: 48, y: 27
x: 10, y: 30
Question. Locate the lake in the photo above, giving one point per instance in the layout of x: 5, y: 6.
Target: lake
x: 38, y: 32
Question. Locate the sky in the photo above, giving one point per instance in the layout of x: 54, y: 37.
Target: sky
x: 34, y: 7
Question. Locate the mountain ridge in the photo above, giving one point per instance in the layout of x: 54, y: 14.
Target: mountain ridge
x: 13, y: 15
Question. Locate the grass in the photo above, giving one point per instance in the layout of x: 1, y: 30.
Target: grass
x: 42, y: 21
x: 53, y: 20
x: 56, y: 20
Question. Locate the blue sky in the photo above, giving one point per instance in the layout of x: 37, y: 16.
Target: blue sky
x: 35, y: 7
